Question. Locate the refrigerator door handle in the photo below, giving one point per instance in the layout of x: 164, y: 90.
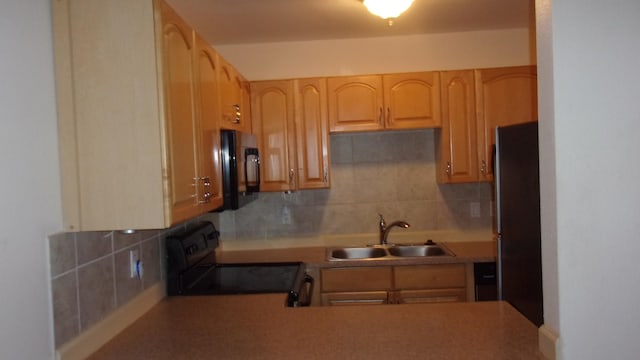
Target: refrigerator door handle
x: 499, y: 267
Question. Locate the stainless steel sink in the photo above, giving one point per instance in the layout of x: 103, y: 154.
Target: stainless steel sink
x: 387, y: 252
x: 417, y: 251
x: 358, y: 253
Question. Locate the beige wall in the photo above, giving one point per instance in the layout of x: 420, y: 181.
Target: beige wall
x: 463, y: 50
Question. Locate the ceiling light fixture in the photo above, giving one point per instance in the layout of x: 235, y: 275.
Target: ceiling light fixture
x: 387, y: 9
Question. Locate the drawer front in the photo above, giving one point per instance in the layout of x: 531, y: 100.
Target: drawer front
x: 429, y: 296
x: 355, y: 298
x: 356, y: 279
x: 429, y: 276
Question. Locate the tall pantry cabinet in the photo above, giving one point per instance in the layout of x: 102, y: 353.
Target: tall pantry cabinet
x: 132, y: 149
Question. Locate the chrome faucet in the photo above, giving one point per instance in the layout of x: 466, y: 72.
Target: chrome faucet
x: 384, y: 229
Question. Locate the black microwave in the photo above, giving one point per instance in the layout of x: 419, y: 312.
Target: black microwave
x: 240, y: 161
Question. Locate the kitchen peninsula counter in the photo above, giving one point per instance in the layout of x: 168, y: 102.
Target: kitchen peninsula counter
x: 261, y: 327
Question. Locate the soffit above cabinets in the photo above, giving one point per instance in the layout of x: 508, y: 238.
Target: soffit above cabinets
x: 227, y: 22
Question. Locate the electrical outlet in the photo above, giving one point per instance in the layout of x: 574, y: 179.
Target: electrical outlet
x: 134, y: 264
x: 474, y: 209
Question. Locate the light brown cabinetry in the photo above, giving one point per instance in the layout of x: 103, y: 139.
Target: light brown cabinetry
x: 474, y: 102
x: 356, y: 286
x: 429, y: 283
x: 290, y: 122
x: 208, y: 115
x: 273, y: 125
x: 394, y: 101
x: 504, y: 96
x: 181, y: 123
x: 130, y: 145
x: 233, y: 96
x: 456, y: 148
x: 393, y: 284
x: 312, y: 133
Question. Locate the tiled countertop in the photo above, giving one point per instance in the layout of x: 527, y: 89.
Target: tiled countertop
x: 260, y: 327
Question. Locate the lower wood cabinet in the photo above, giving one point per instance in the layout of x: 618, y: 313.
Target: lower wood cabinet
x: 393, y: 284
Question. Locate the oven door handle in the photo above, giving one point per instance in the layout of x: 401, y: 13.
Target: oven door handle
x: 309, y: 283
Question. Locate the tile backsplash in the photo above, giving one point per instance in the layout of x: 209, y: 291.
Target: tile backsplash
x: 90, y: 275
x: 392, y: 173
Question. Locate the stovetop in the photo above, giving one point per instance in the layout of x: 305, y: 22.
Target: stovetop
x: 247, y: 278
x: 192, y: 268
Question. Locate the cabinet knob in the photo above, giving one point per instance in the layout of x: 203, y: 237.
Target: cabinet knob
x: 326, y: 176
x: 291, y: 176
x: 388, y: 115
x: 483, y: 167
x: 206, y: 195
x: 448, y: 170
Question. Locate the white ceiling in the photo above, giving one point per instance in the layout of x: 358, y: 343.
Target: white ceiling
x: 225, y: 22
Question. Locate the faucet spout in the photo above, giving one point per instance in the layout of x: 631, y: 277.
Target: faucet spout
x: 384, y: 229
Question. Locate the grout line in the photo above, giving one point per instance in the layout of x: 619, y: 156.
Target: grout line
x: 114, y: 273
x: 77, y: 276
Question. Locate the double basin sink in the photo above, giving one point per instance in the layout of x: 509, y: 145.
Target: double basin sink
x: 387, y: 252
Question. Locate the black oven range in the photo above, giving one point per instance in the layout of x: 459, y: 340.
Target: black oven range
x: 192, y: 270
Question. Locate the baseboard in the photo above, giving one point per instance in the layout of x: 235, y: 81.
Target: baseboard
x: 91, y: 340
x: 548, y: 342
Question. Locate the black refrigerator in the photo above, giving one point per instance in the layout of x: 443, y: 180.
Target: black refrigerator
x: 518, y: 219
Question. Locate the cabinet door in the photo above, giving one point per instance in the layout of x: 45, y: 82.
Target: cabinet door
x: 312, y: 133
x: 245, y: 107
x: 412, y: 101
x: 208, y: 114
x: 180, y: 120
x: 427, y: 277
x: 231, y: 98
x: 456, y: 143
x: 355, y: 298
x: 273, y: 125
x: 355, y: 103
x: 357, y: 279
x: 504, y: 96
x: 429, y: 296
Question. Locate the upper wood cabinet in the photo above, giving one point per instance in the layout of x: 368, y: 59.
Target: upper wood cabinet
x: 456, y: 149
x: 129, y: 133
x: 504, y: 96
x: 232, y: 88
x: 273, y: 124
x: 412, y: 101
x: 290, y: 122
x: 312, y: 133
x: 474, y: 102
x: 355, y: 103
x: 181, y: 123
x: 208, y: 115
x: 394, y: 101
